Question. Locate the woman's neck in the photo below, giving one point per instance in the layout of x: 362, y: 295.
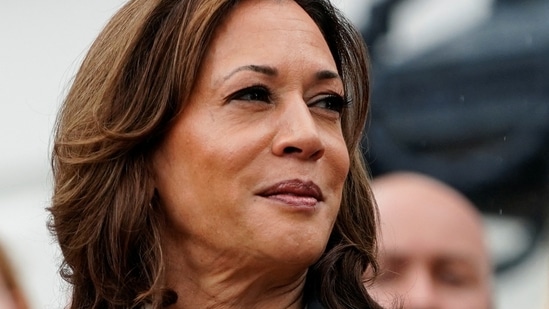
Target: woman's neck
x: 229, y: 281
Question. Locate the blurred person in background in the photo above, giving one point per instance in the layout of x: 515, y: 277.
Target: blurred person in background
x: 11, y: 293
x: 433, y: 252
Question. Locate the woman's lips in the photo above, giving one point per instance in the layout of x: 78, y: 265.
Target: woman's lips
x: 294, y: 192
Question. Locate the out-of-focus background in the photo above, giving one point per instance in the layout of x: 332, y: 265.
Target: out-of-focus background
x: 460, y: 91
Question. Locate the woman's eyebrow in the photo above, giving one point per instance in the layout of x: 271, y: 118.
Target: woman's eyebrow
x: 270, y: 71
x: 263, y: 69
x: 326, y: 74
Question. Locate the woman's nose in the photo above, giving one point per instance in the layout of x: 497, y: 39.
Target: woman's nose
x: 298, y: 134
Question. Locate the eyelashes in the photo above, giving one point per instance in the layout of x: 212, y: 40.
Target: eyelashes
x: 333, y: 102
x: 257, y: 93
x: 261, y: 93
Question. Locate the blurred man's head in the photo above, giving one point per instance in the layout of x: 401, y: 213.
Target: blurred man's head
x: 432, y: 247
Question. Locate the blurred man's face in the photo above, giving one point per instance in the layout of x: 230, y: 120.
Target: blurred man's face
x: 432, y: 251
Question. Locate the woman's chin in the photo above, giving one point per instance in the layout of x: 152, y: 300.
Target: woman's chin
x: 299, y: 254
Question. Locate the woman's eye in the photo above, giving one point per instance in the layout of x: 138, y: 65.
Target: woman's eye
x: 332, y: 102
x: 253, y: 93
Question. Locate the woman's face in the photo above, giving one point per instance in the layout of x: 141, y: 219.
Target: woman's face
x: 254, y: 166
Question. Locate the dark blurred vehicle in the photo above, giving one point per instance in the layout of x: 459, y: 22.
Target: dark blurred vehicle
x: 473, y: 112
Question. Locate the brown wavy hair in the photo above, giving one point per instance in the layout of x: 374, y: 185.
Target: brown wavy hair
x: 132, y: 84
